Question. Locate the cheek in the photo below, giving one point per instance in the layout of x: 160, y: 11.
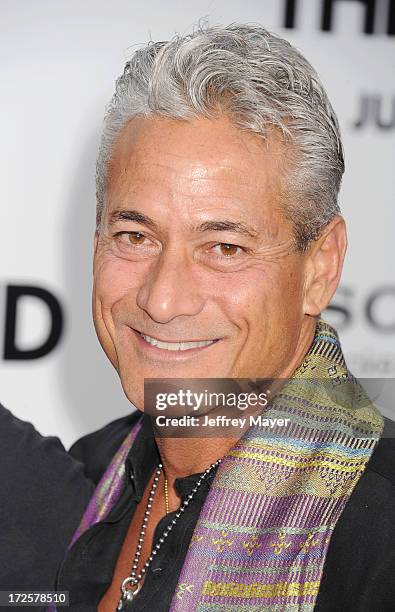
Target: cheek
x: 287, y: 297
x: 293, y: 287
x: 114, y: 279
x: 267, y: 302
x: 252, y: 292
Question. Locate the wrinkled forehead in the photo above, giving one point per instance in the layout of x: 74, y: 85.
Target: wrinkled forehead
x: 198, y: 165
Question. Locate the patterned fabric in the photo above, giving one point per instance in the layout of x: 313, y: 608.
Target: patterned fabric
x: 109, y: 488
x: 263, y: 533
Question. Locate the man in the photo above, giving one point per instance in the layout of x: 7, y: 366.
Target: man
x: 219, y: 242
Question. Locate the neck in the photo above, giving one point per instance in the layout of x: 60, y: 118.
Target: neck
x: 185, y: 456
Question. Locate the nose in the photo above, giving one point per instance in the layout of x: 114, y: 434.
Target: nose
x: 170, y: 290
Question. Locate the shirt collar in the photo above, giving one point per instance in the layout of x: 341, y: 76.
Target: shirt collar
x: 144, y: 456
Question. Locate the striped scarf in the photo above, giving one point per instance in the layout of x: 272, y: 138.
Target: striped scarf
x: 263, y: 533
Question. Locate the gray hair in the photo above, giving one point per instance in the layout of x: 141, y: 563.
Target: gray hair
x: 261, y: 82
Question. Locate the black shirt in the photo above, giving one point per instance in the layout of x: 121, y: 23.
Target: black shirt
x: 359, y: 568
x: 43, y: 492
x: 88, y: 569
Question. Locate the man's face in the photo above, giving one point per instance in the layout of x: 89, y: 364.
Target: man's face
x: 194, y: 248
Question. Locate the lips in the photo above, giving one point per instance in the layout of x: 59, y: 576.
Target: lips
x: 176, y: 346
x: 173, y: 351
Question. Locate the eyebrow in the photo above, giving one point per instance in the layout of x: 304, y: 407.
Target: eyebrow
x: 213, y: 225
x: 227, y: 226
x: 132, y: 215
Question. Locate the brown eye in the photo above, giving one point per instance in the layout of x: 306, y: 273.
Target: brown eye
x: 136, y: 237
x: 228, y: 249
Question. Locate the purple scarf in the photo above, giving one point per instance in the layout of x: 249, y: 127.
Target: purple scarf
x: 263, y: 533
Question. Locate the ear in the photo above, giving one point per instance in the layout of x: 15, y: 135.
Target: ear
x: 324, y: 266
x: 95, y: 243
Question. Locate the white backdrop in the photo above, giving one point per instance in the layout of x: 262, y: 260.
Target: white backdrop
x: 59, y: 61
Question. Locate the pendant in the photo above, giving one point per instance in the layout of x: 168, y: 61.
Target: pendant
x: 128, y: 594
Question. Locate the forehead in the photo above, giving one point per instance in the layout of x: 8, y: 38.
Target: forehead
x: 196, y: 165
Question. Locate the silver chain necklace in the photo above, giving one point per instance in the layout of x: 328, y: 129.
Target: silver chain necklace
x: 132, y: 584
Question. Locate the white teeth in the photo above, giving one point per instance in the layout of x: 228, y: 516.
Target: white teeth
x: 176, y: 346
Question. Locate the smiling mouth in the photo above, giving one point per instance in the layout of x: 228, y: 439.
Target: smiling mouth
x: 176, y: 346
